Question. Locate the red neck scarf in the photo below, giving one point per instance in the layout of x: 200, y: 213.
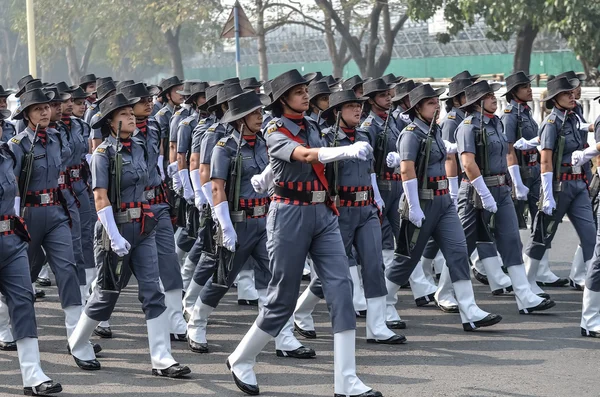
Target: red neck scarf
x: 43, y: 136
x: 66, y: 121
x: 349, y: 133
x: 126, y: 143
x: 296, y: 118
x: 142, y: 126
x: 250, y: 139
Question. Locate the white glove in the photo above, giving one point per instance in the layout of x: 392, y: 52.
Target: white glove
x: 172, y: 169
x: 188, y: 192
x: 521, y: 190
x: 207, y: 190
x: 392, y: 160
x: 262, y: 182
x: 415, y: 213
x: 489, y: 203
x: 548, y: 205
x: 524, y: 144
x: 119, y: 245
x: 229, y: 234
x: 199, y: 199
x: 161, y: 166
x: 358, y: 150
x: 580, y: 157
x: 376, y: 194
x: 176, y: 182
x: 453, y: 188
x: 17, y: 206
x: 451, y: 148
x: 88, y: 158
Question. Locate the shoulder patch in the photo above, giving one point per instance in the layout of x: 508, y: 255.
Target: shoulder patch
x: 271, y: 129
x: 451, y: 116
x: 202, y: 122
x: 410, y: 127
x: 185, y: 122
x: 15, y: 140
x: 101, y: 150
x: 212, y: 129
x: 551, y: 120
x: 221, y: 143
x: 366, y: 124
x: 467, y: 121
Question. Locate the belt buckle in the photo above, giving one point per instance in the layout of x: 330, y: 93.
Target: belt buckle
x: 61, y: 180
x: 443, y: 184
x: 397, y: 170
x: 237, y: 216
x: 533, y: 157
x: 45, y: 198
x: 576, y: 170
x: 134, y: 213
x: 384, y: 184
x: 75, y: 173
x: 361, y: 196
x: 318, y: 196
x: 150, y: 194
x: 259, y: 210
x: 501, y: 179
x: 5, y: 226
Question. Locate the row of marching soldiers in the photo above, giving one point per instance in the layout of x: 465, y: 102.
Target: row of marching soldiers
x: 354, y: 178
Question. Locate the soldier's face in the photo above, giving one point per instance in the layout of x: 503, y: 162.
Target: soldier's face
x: 577, y: 92
x: 383, y: 100
x: 78, y: 107
x: 127, y: 119
x: 176, y: 98
x: 490, y: 103
x: 67, y: 108
x: 297, y: 98
x: 38, y: 114
x: 3, y: 103
x: 462, y: 99
x: 566, y: 100
x: 254, y: 120
x: 143, y: 109
x: 351, y: 114
x: 359, y: 91
x: 323, y: 102
x: 524, y: 93
x: 427, y: 108
x: 91, y: 87
x: 55, y: 111
x: 200, y: 100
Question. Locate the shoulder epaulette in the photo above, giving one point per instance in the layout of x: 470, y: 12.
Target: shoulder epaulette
x: 452, y: 116
x: 468, y: 120
x: 15, y: 140
x: 410, y: 127
x: 508, y: 109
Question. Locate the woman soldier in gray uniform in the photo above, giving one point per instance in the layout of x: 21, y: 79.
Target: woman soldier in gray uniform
x: 302, y: 220
x: 130, y: 230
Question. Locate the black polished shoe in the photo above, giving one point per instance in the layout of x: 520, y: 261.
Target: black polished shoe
x: 424, y: 300
x: 306, y: 277
x: 502, y: 291
x: 8, y: 346
x: 544, y: 295
x: 361, y: 313
x: 438, y: 276
x: 97, y: 348
x: 398, y: 324
x: 43, y: 282
x: 301, y: 352
x: 578, y: 287
x: 488, y: 321
x: 447, y: 309
x: 590, y: 334
x: 251, y: 390
x: 103, y: 332
x: 43, y: 389
x: 39, y: 293
x: 88, y: 365
x: 394, y: 340
x: 561, y: 282
x: 305, y: 333
x: 480, y: 277
x: 370, y: 393
x: 405, y: 286
x: 545, y: 305
x: 248, y: 302
x: 174, y: 371
x: 197, y: 347
x: 179, y: 337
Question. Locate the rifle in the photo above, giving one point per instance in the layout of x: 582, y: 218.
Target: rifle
x: 25, y: 175
x: 409, y: 233
x: 332, y: 169
x: 484, y: 226
x: 381, y: 151
x: 545, y: 225
x: 520, y: 206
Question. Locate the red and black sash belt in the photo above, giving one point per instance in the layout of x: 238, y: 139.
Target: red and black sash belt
x: 531, y: 157
x: 391, y: 176
x: 300, y: 193
x: 137, y: 212
x: 250, y: 207
x: 42, y: 198
x: 570, y: 173
x: 11, y: 224
x: 355, y: 196
x: 155, y: 195
x: 439, y: 185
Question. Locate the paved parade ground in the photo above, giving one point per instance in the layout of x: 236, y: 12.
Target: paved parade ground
x: 536, y: 355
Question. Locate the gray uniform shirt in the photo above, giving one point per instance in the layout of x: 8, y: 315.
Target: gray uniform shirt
x: 574, y: 136
x: 409, y: 147
x: 497, y: 146
x: 510, y: 119
x: 8, y: 181
x: 450, y: 123
x: 199, y: 130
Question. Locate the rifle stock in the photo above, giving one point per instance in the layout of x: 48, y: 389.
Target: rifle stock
x: 25, y: 174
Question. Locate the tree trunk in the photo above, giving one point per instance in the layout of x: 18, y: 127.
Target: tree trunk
x: 72, y: 63
x: 591, y: 71
x: 525, y: 38
x: 172, y: 39
x: 262, y: 42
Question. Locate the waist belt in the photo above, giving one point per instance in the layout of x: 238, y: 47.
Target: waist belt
x: 128, y: 215
x: 155, y: 195
x: 495, y: 180
x: 392, y: 176
x: 11, y: 224
x: 7, y: 226
x: 75, y: 173
x: 569, y: 169
x: 436, y: 186
x: 42, y: 198
x: 62, y: 181
x: 259, y: 211
x: 310, y: 197
x: 531, y: 157
x: 354, y: 196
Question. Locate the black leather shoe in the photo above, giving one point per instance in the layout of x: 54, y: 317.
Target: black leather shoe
x: 197, y: 347
x: 489, y: 320
x: 405, y: 286
x: 438, y: 276
x: 43, y: 389
x: 590, y: 334
x: 424, y: 300
x: 545, y: 305
x: 370, y: 393
x: 251, y: 390
x: 248, y: 302
x: 306, y: 277
x: 398, y: 324
x: 174, y: 371
x: 361, y: 313
x: 301, y: 352
x: 480, y: 277
x: 88, y: 365
x: 543, y: 295
x: 305, y: 333
x: 394, y: 340
x: 8, y: 346
x: 578, y: 287
x: 561, y: 282
x: 502, y: 291
x: 179, y: 337
x: 103, y: 332
x: 97, y: 348
x: 43, y: 282
x: 39, y: 293
x: 447, y: 309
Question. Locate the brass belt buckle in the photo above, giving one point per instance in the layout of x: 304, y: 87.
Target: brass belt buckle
x: 361, y: 196
x: 45, y: 198
x: 318, y: 196
x: 5, y: 226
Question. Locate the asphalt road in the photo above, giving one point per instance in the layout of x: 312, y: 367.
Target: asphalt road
x: 536, y: 355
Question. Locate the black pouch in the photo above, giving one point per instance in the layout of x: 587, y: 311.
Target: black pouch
x: 149, y: 222
x: 192, y: 223
x: 21, y: 229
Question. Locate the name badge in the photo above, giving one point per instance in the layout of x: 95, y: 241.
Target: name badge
x: 126, y: 162
x: 39, y: 156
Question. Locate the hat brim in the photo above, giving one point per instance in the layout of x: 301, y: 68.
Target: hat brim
x: 390, y: 87
x: 18, y: 115
x: 61, y: 97
x: 326, y: 113
x: 574, y: 84
x: 530, y: 77
x: 228, y: 117
x: 164, y: 90
x: 100, y: 99
x: 192, y: 96
x: 494, y: 86
x: 289, y: 87
x: 438, y: 92
x: 4, y: 114
x: 7, y: 93
x: 22, y: 90
x: 98, y: 124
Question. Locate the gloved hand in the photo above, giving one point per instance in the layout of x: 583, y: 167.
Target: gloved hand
x: 118, y: 244
x: 489, y: 203
x: 520, y: 189
x: 88, y: 158
x: 525, y: 144
x: 415, y: 213
x: 199, y: 199
x: 358, y: 150
x: 453, y: 188
x: 262, y: 182
x: 188, y: 192
x: 176, y: 182
x: 17, y: 206
x: 548, y: 205
x: 376, y: 194
x: 229, y: 234
x: 161, y: 166
x: 207, y: 190
x: 451, y: 148
x: 172, y: 169
x: 393, y: 160
x: 580, y: 157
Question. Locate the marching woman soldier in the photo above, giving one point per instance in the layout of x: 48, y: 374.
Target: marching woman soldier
x: 14, y: 279
x: 132, y: 238
x: 301, y: 221
x: 354, y: 83
x: 95, y: 98
x: 171, y: 99
x: 318, y: 95
x: 564, y: 190
x: 104, y: 91
x: 484, y: 163
x: 7, y: 129
x: 400, y: 101
x: 88, y: 84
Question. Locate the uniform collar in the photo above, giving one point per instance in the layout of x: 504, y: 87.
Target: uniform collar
x: 559, y: 113
x: 290, y: 125
x: 378, y: 120
x: 477, y: 116
x: 459, y: 112
x: 422, y: 125
x: 235, y: 134
x: 113, y: 141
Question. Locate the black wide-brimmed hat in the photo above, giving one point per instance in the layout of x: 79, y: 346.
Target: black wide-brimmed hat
x: 5, y: 93
x: 282, y: 83
x: 105, y: 90
x: 465, y: 74
x: 457, y: 87
x: 210, y: 93
x: 403, y: 89
x: 478, y: 90
x: 250, y: 83
x: 124, y: 83
x: 224, y: 94
x: 421, y: 92
x: 352, y: 82
x: 87, y: 79
x: 79, y: 93
x: 572, y: 75
x: 187, y: 86
x: 22, y: 83
x: 243, y: 104
x: 339, y: 98
x: 137, y: 90
x: 111, y: 104
x: 64, y: 87
x: 196, y: 89
x: 331, y: 81
x: 58, y: 96
x: 558, y: 85
x: 267, y: 88
x: 313, y: 76
x: 101, y: 81
x: 231, y: 80
x: 517, y: 79
x: 317, y: 88
x: 32, y: 97
x: 34, y: 84
x: 375, y: 86
x: 392, y: 79
x: 167, y: 84
x: 4, y: 114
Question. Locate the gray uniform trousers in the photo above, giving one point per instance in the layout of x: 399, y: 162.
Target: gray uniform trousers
x: 292, y: 233
x: 142, y: 262
x: 391, y: 218
x: 534, y: 185
x: 574, y: 201
x: 592, y: 280
x: 443, y: 225
x: 76, y: 235
x: 168, y: 264
x: 15, y: 285
x: 88, y: 217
